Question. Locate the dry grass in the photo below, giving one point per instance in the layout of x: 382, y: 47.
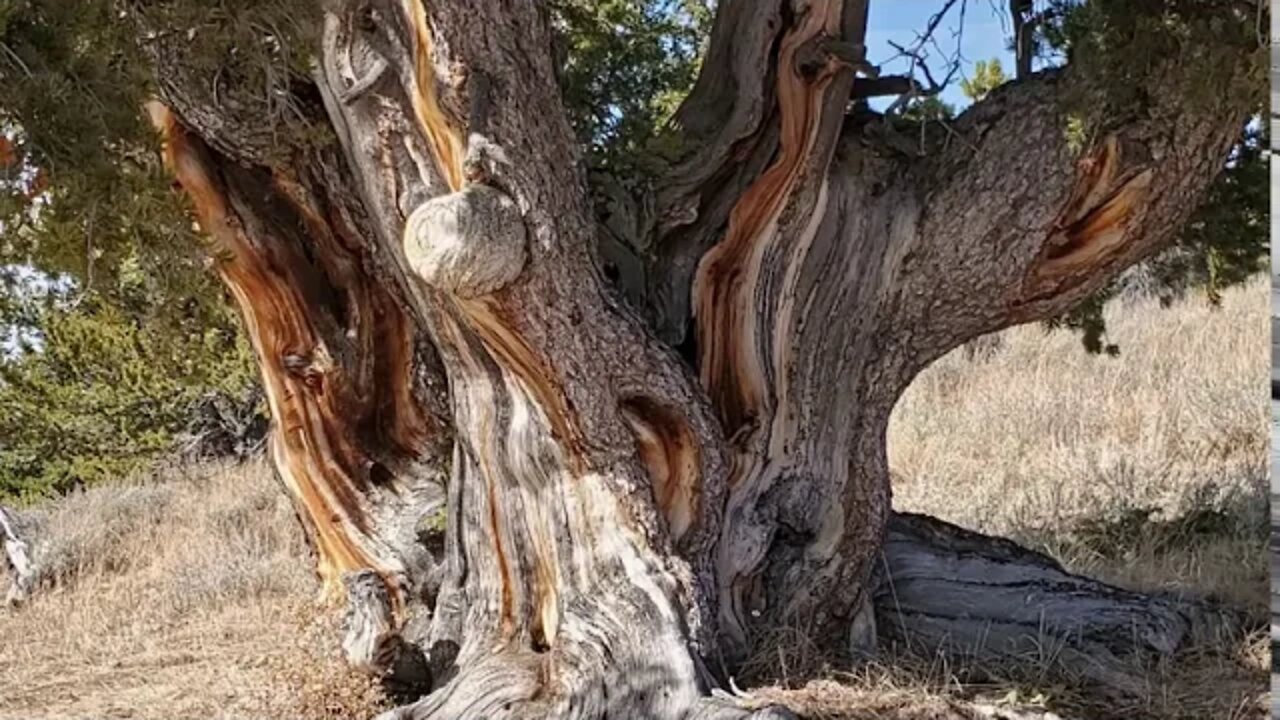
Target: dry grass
x: 194, y: 597
x: 191, y: 598
x: 1227, y: 682
x: 1149, y: 470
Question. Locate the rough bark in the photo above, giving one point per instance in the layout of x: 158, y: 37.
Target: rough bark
x: 562, y: 595
x: 846, y: 266
x: 620, y: 522
x: 1023, y: 14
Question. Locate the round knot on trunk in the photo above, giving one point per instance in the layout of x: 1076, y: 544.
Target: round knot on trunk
x: 469, y: 243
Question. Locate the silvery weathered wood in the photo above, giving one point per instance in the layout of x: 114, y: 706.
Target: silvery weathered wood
x: 17, y: 543
x: 974, y: 596
x: 621, y: 522
x: 373, y: 642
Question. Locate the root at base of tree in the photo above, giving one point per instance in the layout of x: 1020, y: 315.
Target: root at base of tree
x: 987, y: 599
x: 987, y: 602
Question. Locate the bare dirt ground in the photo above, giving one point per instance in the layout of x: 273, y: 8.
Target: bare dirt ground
x: 190, y: 595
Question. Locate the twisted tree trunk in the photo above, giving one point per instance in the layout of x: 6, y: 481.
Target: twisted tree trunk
x: 620, y: 522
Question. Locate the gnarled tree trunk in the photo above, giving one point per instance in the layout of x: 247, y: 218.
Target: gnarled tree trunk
x: 619, y: 522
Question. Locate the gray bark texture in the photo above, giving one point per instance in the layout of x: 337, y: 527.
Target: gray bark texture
x: 17, y: 541
x: 619, y: 523
x: 971, y: 596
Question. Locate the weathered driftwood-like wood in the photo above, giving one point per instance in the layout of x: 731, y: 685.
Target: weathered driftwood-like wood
x: 617, y: 523
x: 373, y: 641
x: 551, y: 516
x: 17, y: 543
x: 808, y: 332
x: 943, y: 588
x: 354, y: 392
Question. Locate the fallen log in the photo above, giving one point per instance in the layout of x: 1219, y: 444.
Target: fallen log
x: 947, y: 589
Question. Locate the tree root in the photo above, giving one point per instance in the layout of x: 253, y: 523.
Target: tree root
x: 941, y: 589
x: 517, y: 684
x: 984, y: 598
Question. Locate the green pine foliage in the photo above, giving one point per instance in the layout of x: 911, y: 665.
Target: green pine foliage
x: 111, y: 329
x: 987, y: 76
x: 97, y: 395
x: 1131, y: 50
x: 1228, y: 239
x: 1127, y: 50
x: 625, y: 66
x: 928, y: 109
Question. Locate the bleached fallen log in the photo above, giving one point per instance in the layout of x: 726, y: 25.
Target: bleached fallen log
x: 948, y: 589
x: 17, y: 556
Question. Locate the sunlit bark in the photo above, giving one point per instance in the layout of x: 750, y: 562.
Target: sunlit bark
x: 621, y: 523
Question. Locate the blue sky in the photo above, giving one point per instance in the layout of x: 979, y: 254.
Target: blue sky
x: 986, y: 29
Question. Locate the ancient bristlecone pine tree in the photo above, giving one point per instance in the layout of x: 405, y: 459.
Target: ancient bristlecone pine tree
x: 535, y: 504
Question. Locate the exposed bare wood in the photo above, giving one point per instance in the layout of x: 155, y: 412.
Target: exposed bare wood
x: 1098, y: 191
x: 616, y: 521
x: 669, y: 451
x: 17, y: 556
x: 974, y: 597
x: 729, y: 130
x: 351, y: 429
x: 373, y: 641
x: 559, y: 432
x: 897, y: 261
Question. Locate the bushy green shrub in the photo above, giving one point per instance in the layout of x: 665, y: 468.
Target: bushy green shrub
x: 97, y: 394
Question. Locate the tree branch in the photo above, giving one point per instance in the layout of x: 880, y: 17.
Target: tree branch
x: 828, y: 291
x: 884, y: 86
x: 728, y: 132
x: 1021, y: 223
x: 979, y: 598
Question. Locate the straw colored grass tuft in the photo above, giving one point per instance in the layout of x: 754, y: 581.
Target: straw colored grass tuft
x: 191, y: 597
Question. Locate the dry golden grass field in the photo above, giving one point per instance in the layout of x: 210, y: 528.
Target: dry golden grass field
x: 190, y: 595
x: 1149, y: 470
